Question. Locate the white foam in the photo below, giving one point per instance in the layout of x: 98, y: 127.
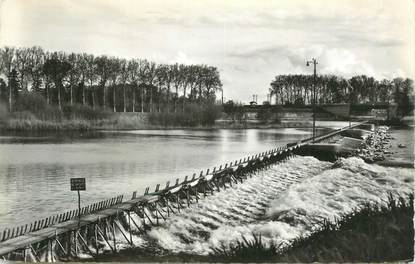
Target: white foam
x: 281, y: 203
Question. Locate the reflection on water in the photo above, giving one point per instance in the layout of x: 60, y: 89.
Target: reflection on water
x: 35, y: 168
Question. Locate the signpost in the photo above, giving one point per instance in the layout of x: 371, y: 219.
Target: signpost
x: 78, y: 184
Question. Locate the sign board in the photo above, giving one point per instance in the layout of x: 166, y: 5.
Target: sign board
x: 78, y: 184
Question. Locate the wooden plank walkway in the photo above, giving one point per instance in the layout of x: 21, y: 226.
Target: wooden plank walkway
x: 64, y: 227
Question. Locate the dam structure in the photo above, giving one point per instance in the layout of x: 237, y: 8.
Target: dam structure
x: 96, y: 228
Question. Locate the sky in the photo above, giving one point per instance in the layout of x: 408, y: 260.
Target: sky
x: 250, y: 42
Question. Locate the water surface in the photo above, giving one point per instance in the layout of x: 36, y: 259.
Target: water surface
x: 35, y: 168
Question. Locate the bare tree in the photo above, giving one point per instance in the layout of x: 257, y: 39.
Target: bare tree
x: 90, y: 73
x: 8, y: 57
x: 123, y: 80
x: 114, y: 77
x: 57, y: 70
x: 74, y: 74
x: 23, y: 66
x: 149, y: 78
x: 177, y: 80
x: 36, y: 61
x: 133, y: 77
x: 103, y: 71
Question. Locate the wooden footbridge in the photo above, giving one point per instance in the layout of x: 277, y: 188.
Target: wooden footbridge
x: 97, y: 227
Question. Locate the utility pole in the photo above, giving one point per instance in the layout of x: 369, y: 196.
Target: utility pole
x: 314, y: 61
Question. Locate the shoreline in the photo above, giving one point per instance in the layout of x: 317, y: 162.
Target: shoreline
x: 395, y: 151
x: 68, y: 127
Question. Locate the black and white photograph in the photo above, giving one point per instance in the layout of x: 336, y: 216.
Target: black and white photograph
x: 207, y: 131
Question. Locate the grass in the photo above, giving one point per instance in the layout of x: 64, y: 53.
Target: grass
x: 36, y: 124
x: 372, y: 233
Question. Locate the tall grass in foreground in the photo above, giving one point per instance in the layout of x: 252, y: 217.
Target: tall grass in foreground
x: 372, y: 233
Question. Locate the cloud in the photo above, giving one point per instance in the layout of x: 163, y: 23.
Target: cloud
x: 183, y: 58
x: 344, y: 62
x: 249, y: 41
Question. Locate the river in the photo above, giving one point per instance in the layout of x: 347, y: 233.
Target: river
x: 35, y: 168
x: 280, y: 203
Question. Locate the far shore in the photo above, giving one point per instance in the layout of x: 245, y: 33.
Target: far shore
x: 77, y: 126
x: 140, y: 122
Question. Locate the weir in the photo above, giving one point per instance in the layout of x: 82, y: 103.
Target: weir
x: 99, y: 227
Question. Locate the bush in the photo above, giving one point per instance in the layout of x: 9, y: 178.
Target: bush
x: 31, y: 102
x: 34, y: 103
x: 78, y: 111
x: 4, y: 113
x: 24, y: 115
x: 194, y: 115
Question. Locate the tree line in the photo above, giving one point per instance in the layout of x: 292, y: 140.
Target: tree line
x: 361, y: 89
x: 135, y: 85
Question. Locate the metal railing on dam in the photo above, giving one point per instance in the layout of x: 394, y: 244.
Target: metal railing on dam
x: 93, y: 228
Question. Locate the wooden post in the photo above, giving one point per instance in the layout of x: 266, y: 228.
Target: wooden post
x: 104, y: 237
x: 96, y: 237
x: 168, y: 207
x: 113, y: 235
x: 76, y: 242
x: 178, y: 202
x: 129, y: 227
x: 157, y: 217
x: 197, y: 196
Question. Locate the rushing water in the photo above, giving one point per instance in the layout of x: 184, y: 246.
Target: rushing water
x: 35, y: 169
x: 281, y: 203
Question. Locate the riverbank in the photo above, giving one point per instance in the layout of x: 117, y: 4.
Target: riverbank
x: 389, y: 146
x: 139, y: 121
x: 83, y: 118
x: 136, y: 121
